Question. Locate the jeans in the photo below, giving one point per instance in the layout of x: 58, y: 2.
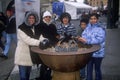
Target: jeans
x: 96, y: 63
x: 24, y: 72
x: 9, y: 38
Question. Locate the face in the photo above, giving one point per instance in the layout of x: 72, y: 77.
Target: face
x: 65, y: 20
x: 47, y: 19
x: 31, y: 20
x: 93, y: 20
x: 83, y: 25
x: 8, y: 13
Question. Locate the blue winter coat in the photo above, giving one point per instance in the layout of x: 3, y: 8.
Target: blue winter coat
x: 95, y: 34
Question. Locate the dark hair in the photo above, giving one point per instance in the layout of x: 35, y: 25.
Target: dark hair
x: 94, y: 14
x: 65, y: 14
x: 84, y: 20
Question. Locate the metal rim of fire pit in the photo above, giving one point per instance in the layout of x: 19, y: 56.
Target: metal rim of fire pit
x: 88, y: 50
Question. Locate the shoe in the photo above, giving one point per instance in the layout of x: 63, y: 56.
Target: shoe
x: 3, y: 56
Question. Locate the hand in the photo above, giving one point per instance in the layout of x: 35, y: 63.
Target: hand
x: 44, y: 44
x: 58, y: 36
x: 82, y: 39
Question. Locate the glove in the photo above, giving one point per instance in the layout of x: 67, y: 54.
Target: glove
x: 66, y: 38
x: 44, y: 44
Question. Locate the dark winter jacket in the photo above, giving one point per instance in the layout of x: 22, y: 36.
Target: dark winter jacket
x: 11, y: 25
x: 49, y: 31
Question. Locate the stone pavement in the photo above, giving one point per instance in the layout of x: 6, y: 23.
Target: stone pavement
x: 110, y: 65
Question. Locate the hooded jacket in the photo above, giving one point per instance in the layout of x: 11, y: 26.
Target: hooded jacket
x: 95, y: 34
x: 28, y: 35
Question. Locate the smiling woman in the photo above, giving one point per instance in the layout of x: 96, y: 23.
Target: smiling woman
x: 28, y: 35
x: 31, y: 20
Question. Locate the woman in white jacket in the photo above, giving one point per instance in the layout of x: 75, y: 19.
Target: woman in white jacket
x: 28, y: 35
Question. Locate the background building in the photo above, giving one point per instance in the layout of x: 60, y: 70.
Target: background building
x: 97, y: 2
x: 100, y: 4
x: 112, y: 6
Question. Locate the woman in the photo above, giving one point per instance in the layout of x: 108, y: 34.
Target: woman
x: 49, y: 31
x: 94, y: 34
x: 28, y: 35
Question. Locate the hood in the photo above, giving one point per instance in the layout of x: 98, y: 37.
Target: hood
x: 29, y: 13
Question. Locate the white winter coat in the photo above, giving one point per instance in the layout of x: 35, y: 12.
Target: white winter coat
x: 22, y: 54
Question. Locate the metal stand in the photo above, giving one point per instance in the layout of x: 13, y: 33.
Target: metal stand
x: 66, y: 75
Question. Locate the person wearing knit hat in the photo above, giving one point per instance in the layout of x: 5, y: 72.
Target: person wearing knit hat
x: 47, y: 13
x: 47, y: 17
x: 49, y: 31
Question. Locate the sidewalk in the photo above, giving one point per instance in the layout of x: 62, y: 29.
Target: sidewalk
x: 110, y: 65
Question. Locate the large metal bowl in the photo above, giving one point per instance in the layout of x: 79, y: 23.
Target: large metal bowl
x: 66, y: 61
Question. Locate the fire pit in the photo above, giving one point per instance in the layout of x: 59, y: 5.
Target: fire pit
x: 66, y: 65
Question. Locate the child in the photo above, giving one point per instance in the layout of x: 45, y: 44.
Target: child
x: 65, y: 27
x: 83, y: 25
x: 94, y: 34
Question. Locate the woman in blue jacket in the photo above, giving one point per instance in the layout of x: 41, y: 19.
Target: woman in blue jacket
x: 94, y: 34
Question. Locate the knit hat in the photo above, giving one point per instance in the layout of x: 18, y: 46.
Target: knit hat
x: 47, y: 13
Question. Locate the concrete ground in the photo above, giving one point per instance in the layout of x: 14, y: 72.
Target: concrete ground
x: 110, y: 65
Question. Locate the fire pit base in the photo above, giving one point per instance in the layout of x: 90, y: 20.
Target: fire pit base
x: 66, y: 75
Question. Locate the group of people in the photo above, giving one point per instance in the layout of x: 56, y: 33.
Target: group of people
x: 93, y: 33
x: 33, y: 31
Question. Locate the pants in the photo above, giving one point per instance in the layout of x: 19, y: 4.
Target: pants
x: 24, y: 72
x: 45, y: 72
x: 94, y: 63
x: 9, y: 38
